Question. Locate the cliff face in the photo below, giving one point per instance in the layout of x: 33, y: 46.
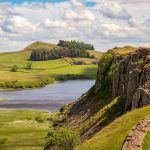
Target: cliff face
x: 131, y: 80
x: 122, y: 84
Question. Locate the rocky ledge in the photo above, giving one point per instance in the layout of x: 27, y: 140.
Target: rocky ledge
x: 131, y: 80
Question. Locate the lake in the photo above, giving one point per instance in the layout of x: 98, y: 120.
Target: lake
x: 49, y: 98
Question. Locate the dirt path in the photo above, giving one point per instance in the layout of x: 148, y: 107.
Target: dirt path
x: 135, y: 138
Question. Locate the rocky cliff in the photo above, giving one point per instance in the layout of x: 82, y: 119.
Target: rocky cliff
x: 130, y: 79
x: 122, y: 84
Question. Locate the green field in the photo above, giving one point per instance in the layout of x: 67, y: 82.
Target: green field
x: 51, y: 69
x: 23, y: 129
x: 112, y: 136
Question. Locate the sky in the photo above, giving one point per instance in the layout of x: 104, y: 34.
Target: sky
x: 103, y: 23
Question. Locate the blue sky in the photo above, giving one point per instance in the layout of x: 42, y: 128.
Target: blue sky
x: 21, y: 1
x: 86, y: 3
x: 103, y: 23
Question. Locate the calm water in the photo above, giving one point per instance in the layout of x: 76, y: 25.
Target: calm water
x: 48, y: 98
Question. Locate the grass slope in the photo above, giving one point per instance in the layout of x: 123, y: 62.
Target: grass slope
x: 42, y: 69
x: 23, y: 129
x: 40, y: 45
x: 146, y: 143
x: 112, y: 136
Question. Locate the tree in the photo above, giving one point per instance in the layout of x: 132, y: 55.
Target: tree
x: 14, y: 68
x: 62, y: 139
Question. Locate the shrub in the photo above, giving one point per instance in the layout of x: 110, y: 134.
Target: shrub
x: 62, y: 109
x: 105, y: 63
x: 105, y: 71
x: 14, y: 68
x: 29, y: 66
x: 62, y: 139
x: 39, y: 119
x: 3, y: 141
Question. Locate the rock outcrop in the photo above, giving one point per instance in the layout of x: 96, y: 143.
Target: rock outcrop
x: 131, y: 80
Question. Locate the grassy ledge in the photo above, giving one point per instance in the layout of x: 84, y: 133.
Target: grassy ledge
x: 116, y: 132
x: 146, y: 143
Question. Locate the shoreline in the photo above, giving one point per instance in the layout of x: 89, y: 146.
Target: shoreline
x: 54, y: 82
x: 36, y: 110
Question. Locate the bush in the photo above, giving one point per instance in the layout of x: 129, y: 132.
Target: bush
x: 62, y: 139
x: 39, y: 119
x: 3, y: 141
x: 62, y: 109
x: 105, y: 62
x: 14, y: 68
x: 106, y: 70
x: 29, y: 66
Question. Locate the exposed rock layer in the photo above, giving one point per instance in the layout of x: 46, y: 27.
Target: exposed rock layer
x: 131, y: 80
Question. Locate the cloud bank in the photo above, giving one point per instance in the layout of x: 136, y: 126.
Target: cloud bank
x: 105, y: 24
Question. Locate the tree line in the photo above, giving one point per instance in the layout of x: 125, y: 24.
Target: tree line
x: 64, y: 49
x: 75, y: 45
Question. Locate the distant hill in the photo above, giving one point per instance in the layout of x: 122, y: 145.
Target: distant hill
x: 40, y: 45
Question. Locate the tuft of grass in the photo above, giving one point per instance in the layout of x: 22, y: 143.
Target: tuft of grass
x: 146, y: 143
x: 112, y: 136
x: 2, y: 99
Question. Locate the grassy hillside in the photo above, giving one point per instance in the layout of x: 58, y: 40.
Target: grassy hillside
x: 112, y: 136
x: 51, y: 69
x: 23, y: 129
x: 123, y: 50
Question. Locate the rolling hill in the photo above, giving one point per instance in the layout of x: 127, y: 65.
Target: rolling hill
x: 39, y: 45
x: 42, y: 71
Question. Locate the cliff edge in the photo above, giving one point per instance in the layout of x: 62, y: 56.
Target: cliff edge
x: 122, y: 84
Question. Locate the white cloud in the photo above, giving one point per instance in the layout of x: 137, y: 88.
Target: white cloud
x: 76, y: 3
x: 17, y: 24
x: 114, y: 10
x: 132, y: 1
x: 123, y: 1
x: 111, y: 29
x: 54, y: 23
x: 80, y: 15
